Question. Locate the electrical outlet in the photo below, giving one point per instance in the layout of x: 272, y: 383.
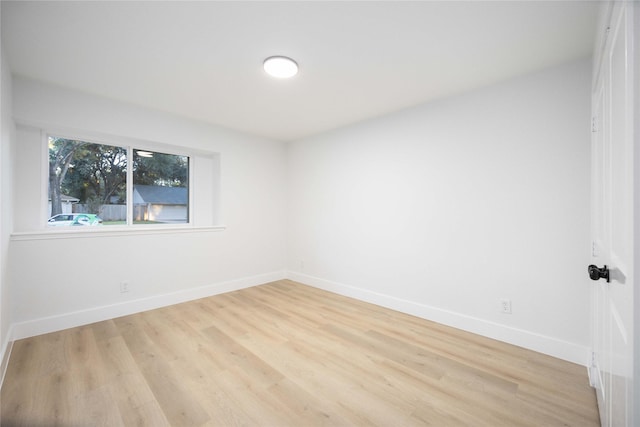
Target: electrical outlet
x: 124, y: 287
x: 505, y: 306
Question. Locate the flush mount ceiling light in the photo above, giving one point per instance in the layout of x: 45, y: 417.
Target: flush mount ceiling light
x: 280, y: 67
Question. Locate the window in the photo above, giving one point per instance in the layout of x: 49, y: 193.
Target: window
x: 115, y: 185
x: 160, y: 188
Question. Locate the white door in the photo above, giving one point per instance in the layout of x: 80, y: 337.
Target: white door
x: 612, y: 220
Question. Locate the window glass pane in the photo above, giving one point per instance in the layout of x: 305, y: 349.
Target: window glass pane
x: 160, y: 188
x: 87, y: 183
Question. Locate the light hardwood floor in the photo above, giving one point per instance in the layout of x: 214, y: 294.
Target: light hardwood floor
x: 284, y: 354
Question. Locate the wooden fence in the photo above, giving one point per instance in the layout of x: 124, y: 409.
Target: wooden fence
x: 106, y: 212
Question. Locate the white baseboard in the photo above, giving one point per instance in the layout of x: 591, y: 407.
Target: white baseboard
x: 544, y: 344
x: 530, y: 340
x: 97, y: 314
x: 5, y: 353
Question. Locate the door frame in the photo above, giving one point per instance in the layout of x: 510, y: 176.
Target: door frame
x: 633, y: 53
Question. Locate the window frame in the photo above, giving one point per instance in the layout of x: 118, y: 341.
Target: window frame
x: 130, y: 223
x: 131, y: 144
x: 45, y: 161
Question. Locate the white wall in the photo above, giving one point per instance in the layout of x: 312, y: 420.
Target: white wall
x: 6, y: 141
x: 444, y: 209
x: 58, y: 283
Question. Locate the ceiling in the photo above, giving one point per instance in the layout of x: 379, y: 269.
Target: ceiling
x: 358, y: 60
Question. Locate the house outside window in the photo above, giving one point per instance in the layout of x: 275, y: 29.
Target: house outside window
x: 154, y: 203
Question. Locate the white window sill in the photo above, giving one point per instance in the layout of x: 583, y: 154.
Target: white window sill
x: 111, y: 231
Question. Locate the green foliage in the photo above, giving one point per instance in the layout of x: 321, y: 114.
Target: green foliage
x: 90, y: 172
x: 161, y: 169
x: 95, y: 172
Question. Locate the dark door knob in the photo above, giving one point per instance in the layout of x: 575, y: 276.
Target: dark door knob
x: 597, y: 273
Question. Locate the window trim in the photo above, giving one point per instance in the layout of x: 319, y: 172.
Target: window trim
x: 128, y: 229
x: 112, y: 231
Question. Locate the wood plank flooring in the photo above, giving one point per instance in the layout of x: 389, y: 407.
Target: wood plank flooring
x: 285, y: 354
